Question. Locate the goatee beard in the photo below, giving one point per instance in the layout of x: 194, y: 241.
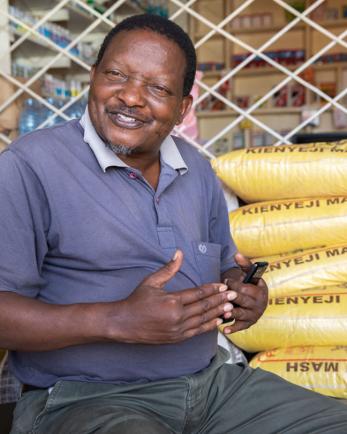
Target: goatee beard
x: 120, y: 149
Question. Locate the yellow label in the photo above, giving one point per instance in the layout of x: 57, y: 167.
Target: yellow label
x: 322, y: 369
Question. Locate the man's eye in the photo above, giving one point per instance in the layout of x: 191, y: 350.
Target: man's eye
x: 158, y: 90
x: 115, y: 75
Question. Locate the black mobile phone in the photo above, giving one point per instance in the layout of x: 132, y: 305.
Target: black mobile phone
x: 255, y: 272
x: 252, y: 276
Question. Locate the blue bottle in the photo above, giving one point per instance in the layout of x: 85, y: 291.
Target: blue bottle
x: 47, y: 113
x: 30, y: 116
x: 76, y: 110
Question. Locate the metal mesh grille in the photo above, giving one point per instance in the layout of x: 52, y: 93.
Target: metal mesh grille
x: 247, y: 54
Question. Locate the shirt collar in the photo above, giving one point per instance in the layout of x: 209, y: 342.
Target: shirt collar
x: 107, y: 158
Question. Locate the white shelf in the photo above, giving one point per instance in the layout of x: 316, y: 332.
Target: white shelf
x: 59, y: 16
x: 84, y: 14
x: 41, y: 60
x: 31, y: 38
x: 126, y: 9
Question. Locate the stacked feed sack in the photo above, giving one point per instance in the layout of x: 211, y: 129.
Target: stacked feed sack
x: 296, y: 219
x: 319, y: 368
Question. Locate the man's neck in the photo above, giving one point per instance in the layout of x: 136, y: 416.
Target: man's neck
x: 147, y: 163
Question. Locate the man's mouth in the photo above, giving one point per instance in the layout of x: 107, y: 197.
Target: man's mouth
x: 126, y: 121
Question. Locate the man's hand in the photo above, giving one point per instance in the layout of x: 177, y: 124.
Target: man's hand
x: 251, y: 299
x: 151, y: 315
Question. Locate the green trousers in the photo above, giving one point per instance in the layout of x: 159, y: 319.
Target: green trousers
x: 222, y: 399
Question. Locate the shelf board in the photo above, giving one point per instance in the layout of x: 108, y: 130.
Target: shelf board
x: 63, y: 62
x: 82, y: 13
x: 31, y: 38
x: 261, y: 70
x: 233, y: 31
x: 261, y: 111
x: 268, y: 29
x: 213, y: 74
x: 342, y: 22
x: 269, y: 70
x: 60, y: 15
x: 127, y: 8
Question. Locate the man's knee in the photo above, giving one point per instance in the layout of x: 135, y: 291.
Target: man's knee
x: 134, y: 424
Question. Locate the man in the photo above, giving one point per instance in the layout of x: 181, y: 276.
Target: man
x: 115, y: 241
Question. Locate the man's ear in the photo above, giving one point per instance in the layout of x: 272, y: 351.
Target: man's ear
x: 185, y: 107
x: 92, y: 73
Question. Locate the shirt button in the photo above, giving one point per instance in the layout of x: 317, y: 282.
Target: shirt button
x: 132, y: 175
x: 202, y: 248
x: 157, y: 200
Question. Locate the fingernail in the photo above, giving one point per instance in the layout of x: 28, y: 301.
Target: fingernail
x: 232, y: 295
x: 219, y: 322
x: 222, y: 288
x: 175, y: 256
x: 227, y: 307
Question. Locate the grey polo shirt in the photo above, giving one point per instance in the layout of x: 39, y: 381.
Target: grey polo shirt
x: 77, y: 225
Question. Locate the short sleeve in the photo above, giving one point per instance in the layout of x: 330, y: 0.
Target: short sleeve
x: 24, y: 221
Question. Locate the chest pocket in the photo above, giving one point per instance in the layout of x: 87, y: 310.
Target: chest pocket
x: 208, y: 259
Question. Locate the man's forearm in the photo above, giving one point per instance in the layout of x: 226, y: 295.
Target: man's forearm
x: 31, y: 325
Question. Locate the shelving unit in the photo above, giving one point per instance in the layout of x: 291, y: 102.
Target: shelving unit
x: 252, y: 102
x: 41, y: 52
x: 251, y: 83
x: 74, y: 18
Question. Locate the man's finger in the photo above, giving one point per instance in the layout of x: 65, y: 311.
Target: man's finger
x: 242, y: 261
x: 201, y: 328
x: 215, y: 305
x: 193, y: 295
x: 159, y: 278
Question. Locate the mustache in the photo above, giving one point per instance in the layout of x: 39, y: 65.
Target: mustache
x: 127, y: 111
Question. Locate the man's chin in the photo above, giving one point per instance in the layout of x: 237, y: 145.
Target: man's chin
x: 121, y: 149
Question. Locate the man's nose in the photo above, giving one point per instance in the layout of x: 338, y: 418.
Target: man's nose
x: 131, y: 93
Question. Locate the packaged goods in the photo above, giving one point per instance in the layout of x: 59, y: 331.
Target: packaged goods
x: 321, y: 369
x: 316, y: 317
x: 314, y: 268
x: 270, y: 228
x: 287, y: 171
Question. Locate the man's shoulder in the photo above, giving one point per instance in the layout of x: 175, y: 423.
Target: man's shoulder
x: 40, y: 143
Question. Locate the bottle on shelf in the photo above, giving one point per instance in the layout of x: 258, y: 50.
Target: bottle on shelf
x: 30, y: 117
x: 77, y: 109
x: 47, y: 112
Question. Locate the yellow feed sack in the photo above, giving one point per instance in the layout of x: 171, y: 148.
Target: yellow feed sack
x: 315, y: 268
x: 287, y: 171
x: 271, y: 228
x: 321, y: 369
x: 314, y: 318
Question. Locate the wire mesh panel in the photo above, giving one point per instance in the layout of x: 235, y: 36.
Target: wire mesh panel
x: 268, y: 70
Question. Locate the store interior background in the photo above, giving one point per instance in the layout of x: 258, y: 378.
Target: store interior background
x: 270, y: 71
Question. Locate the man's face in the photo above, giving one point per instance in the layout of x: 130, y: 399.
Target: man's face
x: 136, y: 93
